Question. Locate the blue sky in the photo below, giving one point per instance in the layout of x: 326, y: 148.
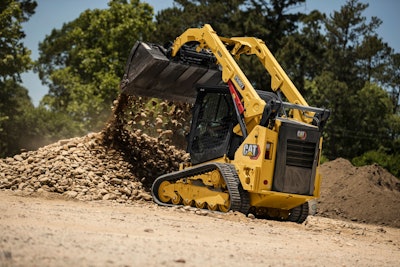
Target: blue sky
x: 52, y: 14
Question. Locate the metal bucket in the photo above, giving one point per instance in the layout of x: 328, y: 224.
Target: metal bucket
x: 149, y: 72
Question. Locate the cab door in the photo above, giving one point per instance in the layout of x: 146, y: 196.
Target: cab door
x: 212, y: 124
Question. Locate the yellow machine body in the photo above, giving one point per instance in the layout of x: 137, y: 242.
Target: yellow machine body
x: 266, y: 160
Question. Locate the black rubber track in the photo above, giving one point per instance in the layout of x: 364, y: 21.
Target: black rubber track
x: 299, y: 214
x: 238, y: 197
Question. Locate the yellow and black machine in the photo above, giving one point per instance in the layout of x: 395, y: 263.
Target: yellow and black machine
x: 251, y: 150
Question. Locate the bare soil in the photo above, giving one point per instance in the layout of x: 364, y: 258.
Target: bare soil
x: 368, y: 194
x: 47, y: 229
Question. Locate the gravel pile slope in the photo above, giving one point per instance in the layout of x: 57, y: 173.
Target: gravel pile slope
x: 120, y: 163
x: 79, y: 168
x: 84, y: 168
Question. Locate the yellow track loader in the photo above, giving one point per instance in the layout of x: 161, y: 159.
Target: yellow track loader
x: 253, y: 151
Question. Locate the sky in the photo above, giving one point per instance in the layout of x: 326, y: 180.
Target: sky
x: 52, y: 14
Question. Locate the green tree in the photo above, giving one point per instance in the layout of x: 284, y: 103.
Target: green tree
x: 45, y: 127
x: 370, y: 125
x: 14, y: 105
x: 324, y: 91
x: 391, y: 78
x: 221, y: 15
x: 270, y: 20
x: 354, y: 60
x: 302, y: 52
x: 349, y: 44
x: 15, y: 57
x: 14, y: 60
x: 373, y: 57
x: 83, y: 62
x: 393, y: 82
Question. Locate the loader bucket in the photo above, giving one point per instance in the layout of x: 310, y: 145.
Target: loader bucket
x: 149, y: 72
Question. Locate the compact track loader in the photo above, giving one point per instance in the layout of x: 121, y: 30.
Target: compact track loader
x: 251, y: 150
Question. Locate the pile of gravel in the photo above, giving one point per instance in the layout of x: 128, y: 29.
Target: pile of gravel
x: 84, y: 168
x: 120, y: 163
x: 79, y: 168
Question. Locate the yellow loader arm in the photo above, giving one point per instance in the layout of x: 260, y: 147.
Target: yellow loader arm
x: 231, y: 72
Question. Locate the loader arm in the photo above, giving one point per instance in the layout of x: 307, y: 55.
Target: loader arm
x: 279, y: 78
x: 232, y: 74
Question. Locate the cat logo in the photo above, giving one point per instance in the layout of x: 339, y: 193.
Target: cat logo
x: 251, y: 150
x: 302, y: 135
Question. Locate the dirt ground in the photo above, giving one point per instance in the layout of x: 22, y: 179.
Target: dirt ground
x: 49, y: 230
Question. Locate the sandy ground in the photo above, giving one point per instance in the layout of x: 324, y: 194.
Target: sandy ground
x: 48, y: 230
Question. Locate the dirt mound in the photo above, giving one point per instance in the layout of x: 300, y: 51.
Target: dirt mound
x: 367, y: 194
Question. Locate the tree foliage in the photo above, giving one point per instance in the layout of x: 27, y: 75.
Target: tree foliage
x: 46, y: 127
x: 222, y: 15
x: 13, y: 107
x: 355, y: 57
x: 15, y: 57
x: 14, y: 60
x: 83, y: 62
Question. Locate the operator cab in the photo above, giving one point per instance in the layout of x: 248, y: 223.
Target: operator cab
x: 213, y: 120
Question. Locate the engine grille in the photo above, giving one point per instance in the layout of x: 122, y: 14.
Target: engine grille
x: 296, y: 159
x: 300, y: 153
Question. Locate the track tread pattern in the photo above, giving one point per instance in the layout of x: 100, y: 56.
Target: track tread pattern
x: 239, y: 198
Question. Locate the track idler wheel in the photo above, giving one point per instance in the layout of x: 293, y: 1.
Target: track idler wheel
x: 162, y: 192
x: 298, y: 214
